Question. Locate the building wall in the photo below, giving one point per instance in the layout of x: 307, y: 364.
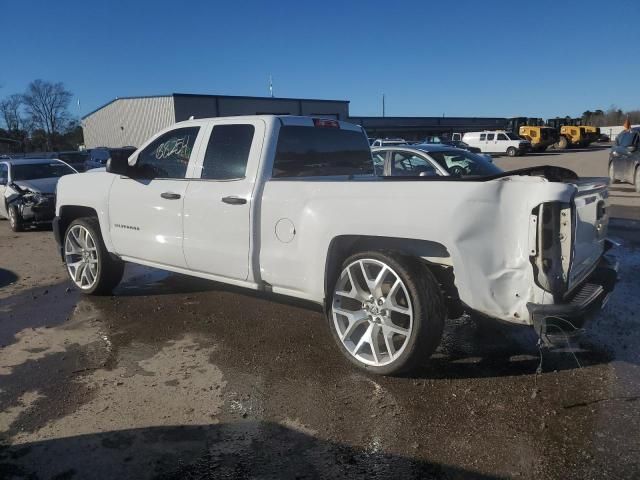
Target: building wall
x: 614, y: 130
x: 203, y: 106
x: 127, y: 121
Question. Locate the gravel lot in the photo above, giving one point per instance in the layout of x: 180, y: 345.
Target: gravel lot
x: 174, y: 377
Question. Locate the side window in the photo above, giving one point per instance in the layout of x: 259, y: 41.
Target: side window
x: 491, y: 136
x: 502, y: 136
x: 227, y: 152
x: 167, y: 156
x: 407, y: 164
x: 378, y: 162
x: 483, y: 137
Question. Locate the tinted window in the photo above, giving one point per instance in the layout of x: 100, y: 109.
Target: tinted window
x: 491, y: 136
x: 32, y: 171
x: 462, y: 163
x: 409, y: 164
x: 483, y: 136
x: 167, y: 156
x: 3, y: 174
x: 100, y: 155
x: 513, y: 136
x: 626, y: 139
x: 228, y: 152
x: 313, y: 151
x: 502, y: 136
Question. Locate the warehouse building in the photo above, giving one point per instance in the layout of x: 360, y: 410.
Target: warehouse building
x: 132, y: 120
x: 129, y: 121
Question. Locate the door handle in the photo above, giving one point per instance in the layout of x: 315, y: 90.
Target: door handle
x: 170, y: 196
x: 234, y: 200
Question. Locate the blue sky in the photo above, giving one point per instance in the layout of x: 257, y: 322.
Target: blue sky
x: 466, y: 58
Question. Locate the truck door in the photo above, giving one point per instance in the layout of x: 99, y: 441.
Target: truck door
x: 145, y: 210
x: 218, y: 204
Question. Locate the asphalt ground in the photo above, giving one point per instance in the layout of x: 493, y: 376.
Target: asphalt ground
x: 175, y: 377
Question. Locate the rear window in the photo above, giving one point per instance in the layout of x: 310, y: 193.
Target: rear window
x: 33, y: 171
x: 309, y: 151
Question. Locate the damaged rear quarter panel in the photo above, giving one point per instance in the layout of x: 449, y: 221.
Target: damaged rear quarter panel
x: 483, y: 225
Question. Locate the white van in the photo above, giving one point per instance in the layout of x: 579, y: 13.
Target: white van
x: 497, y: 141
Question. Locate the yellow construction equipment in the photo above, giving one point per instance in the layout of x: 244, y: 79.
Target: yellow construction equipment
x: 540, y: 137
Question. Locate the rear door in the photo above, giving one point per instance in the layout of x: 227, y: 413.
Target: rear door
x: 217, y: 207
x: 145, y: 210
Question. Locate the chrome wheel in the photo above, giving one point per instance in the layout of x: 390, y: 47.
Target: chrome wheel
x: 81, y: 257
x: 372, y: 312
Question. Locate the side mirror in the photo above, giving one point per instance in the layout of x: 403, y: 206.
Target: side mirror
x: 119, y: 165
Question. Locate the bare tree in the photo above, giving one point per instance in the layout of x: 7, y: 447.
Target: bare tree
x: 47, y: 104
x: 10, y: 109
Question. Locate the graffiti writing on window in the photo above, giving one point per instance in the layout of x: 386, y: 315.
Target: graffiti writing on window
x: 178, y: 146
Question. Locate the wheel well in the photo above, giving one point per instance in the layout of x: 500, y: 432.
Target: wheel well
x: 344, y: 246
x: 69, y: 213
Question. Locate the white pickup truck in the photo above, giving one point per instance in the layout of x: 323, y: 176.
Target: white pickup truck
x: 290, y: 205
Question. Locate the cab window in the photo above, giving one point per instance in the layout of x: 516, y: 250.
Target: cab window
x: 502, y: 136
x: 167, y: 156
x: 378, y: 162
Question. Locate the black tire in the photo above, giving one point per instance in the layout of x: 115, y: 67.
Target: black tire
x: 562, y: 143
x: 110, y: 269
x: 15, y: 219
x: 512, y: 151
x: 612, y: 178
x: 428, y: 308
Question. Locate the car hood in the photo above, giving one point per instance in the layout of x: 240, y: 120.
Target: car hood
x: 39, y: 185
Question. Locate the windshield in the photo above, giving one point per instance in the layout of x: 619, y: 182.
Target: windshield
x: 33, y: 171
x: 513, y: 136
x: 626, y: 139
x: 461, y: 163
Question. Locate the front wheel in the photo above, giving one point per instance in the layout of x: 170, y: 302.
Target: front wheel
x: 387, y: 312
x: 89, y: 264
x: 15, y: 219
x: 512, y: 152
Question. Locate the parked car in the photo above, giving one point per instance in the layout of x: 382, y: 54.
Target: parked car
x: 291, y: 205
x: 431, y: 159
x: 497, y: 142
x: 383, y: 142
x: 624, y: 158
x: 99, y: 156
x: 27, y: 190
x: 75, y: 158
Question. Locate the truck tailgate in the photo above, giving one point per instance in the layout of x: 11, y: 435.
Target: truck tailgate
x: 591, y: 210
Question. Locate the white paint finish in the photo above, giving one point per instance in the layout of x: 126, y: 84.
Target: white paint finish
x: 483, y: 226
x: 490, y: 256
x: 143, y: 224
x: 216, y: 234
x: 491, y: 146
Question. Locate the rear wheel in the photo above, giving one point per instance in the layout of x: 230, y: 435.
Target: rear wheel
x: 89, y: 264
x: 15, y: 219
x: 387, y: 312
x: 512, y: 152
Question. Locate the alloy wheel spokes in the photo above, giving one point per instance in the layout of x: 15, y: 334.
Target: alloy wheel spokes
x: 81, y: 257
x: 372, y: 312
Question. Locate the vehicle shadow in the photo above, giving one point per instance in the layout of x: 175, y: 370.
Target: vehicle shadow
x: 7, y: 277
x: 242, y: 450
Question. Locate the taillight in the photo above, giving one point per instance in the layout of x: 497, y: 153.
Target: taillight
x: 325, y: 123
x: 551, y: 255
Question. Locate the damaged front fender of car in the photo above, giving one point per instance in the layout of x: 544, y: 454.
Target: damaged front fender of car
x: 33, y: 206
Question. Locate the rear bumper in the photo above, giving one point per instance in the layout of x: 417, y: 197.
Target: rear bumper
x: 590, y: 297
